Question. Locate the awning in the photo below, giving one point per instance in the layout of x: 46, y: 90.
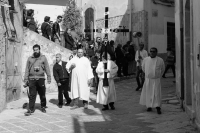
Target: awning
x: 46, y: 2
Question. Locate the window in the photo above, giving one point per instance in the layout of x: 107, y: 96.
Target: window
x: 171, y: 35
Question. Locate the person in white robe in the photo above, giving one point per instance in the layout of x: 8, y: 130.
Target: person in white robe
x: 153, y: 68
x: 106, y: 95
x: 81, y: 78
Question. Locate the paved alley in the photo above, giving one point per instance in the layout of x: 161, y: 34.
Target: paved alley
x: 129, y: 116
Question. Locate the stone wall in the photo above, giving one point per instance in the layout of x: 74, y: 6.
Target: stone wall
x: 139, y: 23
x: 115, y: 22
x: 2, y: 62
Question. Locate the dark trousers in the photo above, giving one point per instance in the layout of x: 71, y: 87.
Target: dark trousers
x: 37, y: 86
x: 138, y: 77
x: 125, y: 69
x: 119, y: 69
x: 96, y: 79
x: 63, y: 90
x: 168, y: 67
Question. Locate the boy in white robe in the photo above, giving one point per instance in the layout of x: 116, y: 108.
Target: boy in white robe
x: 106, y: 95
x: 153, y: 68
x: 80, y: 79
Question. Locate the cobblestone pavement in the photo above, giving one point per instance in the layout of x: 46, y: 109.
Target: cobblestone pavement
x: 129, y: 116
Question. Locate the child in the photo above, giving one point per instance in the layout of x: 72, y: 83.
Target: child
x: 106, y: 95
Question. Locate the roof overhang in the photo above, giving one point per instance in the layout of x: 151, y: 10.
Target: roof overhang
x: 46, y: 2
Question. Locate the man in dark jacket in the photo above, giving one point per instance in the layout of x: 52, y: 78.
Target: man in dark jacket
x: 46, y: 28
x: 69, y: 41
x: 56, y: 30
x: 170, y: 61
x: 119, y: 59
x: 62, y: 78
x: 94, y: 63
x: 36, y: 66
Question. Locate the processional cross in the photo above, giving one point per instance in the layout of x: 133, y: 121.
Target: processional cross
x: 106, y: 31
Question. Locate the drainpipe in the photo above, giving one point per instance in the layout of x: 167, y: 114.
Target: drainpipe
x: 130, y: 20
x: 182, y: 53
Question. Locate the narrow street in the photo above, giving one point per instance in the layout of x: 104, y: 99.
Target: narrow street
x: 129, y: 116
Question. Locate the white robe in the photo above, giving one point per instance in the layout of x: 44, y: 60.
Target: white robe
x: 151, y: 91
x: 105, y: 95
x: 80, y: 76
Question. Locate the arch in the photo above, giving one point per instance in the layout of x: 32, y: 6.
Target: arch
x: 88, y: 8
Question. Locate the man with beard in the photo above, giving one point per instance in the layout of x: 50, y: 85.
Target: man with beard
x: 62, y: 78
x: 81, y: 78
x: 36, y: 66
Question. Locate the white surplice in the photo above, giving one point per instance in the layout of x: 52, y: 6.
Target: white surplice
x: 105, y: 95
x: 151, y: 91
x: 80, y: 76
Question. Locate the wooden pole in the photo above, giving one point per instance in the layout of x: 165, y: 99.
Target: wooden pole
x: 105, y: 80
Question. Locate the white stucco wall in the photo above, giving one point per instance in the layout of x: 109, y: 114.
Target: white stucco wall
x: 158, y: 25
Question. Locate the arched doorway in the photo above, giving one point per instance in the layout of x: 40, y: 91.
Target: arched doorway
x: 89, y: 22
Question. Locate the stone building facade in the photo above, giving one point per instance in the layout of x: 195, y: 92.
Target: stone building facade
x: 151, y: 17
x: 188, y: 57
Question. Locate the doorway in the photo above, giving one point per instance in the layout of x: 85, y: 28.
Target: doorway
x: 89, y: 22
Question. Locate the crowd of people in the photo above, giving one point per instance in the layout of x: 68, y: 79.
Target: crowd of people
x: 86, y: 68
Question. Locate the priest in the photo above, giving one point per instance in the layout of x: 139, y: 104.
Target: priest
x: 153, y: 68
x: 81, y: 78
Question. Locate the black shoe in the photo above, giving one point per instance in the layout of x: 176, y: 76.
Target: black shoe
x: 29, y: 112
x: 105, y: 108
x: 60, y: 106
x: 68, y: 103
x: 158, y: 110
x: 137, y: 89
x: 149, y: 109
x: 112, y: 107
x: 43, y: 110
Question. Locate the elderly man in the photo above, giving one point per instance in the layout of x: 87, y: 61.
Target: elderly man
x: 154, y: 68
x: 139, y: 56
x: 80, y: 79
x: 62, y: 78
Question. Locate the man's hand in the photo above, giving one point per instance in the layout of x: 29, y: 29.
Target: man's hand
x: 59, y: 84
x: 49, y: 82
x: 73, y: 66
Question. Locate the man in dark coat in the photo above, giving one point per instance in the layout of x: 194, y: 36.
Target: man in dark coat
x: 62, y: 78
x: 119, y: 59
x: 46, y: 28
x: 56, y: 30
x: 69, y: 41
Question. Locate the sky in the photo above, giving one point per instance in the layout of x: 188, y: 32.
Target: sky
x: 46, y: 10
